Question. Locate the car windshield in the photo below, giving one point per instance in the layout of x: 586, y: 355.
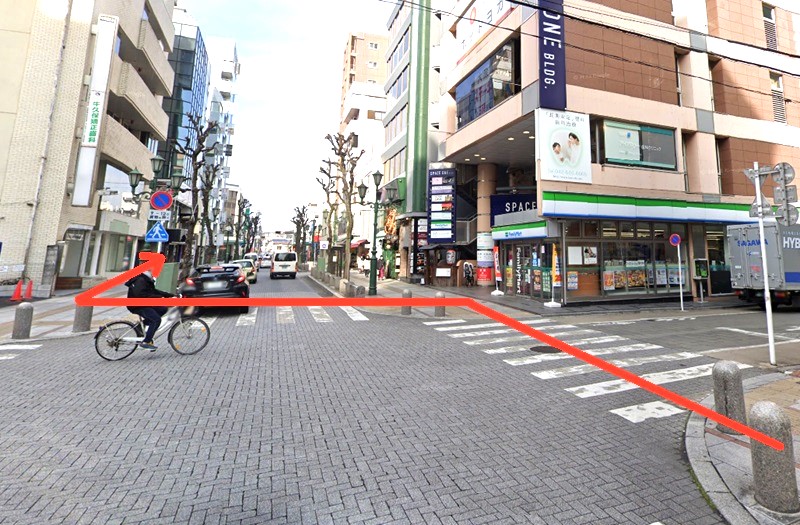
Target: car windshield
x: 285, y: 257
x: 246, y: 263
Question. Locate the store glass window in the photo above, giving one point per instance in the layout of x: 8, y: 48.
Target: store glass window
x: 626, y: 230
x: 643, y: 230
x: 489, y: 84
x: 590, y: 229
x: 610, y: 229
x: 572, y: 228
x: 660, y: 230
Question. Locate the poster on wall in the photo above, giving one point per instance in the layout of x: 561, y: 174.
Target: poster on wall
x: 590, y: 255
x: 572, y: 280
x: 537, y: 280
x: 563, y: 146
x: 608, y: 280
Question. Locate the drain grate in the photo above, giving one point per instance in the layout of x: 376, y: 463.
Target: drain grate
x: 545, y: 349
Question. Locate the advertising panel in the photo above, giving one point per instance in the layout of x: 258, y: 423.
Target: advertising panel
x: 442, y: 205
x: 563, y: 147
x: 637, y: 145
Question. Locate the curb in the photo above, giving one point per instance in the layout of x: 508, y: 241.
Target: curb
x: 708, y: 477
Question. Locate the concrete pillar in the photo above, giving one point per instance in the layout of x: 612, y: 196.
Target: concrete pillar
x: 87, y: 238
x: 774, y: 476
x: 83, y: 319
x: 23, y: 319
x: 728, y: 394
x: 406, y: 310
x: 134, y: 254
x: 439, y: 309
x: 487, y: 185
x: 98, y: 240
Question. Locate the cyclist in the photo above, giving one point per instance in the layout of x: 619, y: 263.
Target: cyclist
x: 144, y: 286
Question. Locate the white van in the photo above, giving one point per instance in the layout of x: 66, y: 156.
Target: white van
x: 284, y: 263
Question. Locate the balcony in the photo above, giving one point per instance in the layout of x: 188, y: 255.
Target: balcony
x: 161, y: 20
x: 132, y: 100
x: 150, y: 60
x: 123, y: 150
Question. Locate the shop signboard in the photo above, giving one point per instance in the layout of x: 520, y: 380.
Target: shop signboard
x: 552, y: 55
x: 481, y: 17
x: 516, y: 208
x: 485, y: 241
x: 441, y: 205
x: 563, y: 149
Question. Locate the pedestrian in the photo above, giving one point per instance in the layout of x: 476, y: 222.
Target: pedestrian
x: 381, y: 268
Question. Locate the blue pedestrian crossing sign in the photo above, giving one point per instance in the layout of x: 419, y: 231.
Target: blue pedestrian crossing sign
x: 157, y: 234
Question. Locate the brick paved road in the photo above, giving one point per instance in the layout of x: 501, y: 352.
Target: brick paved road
x: 292, y: 418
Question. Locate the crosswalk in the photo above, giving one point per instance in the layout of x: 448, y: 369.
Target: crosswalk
x: 517, y: 350
x: 288, y: 315
x: 4, y: 356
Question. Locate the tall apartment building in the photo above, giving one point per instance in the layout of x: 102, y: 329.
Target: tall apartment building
x: 362, y: 110
x: 591, y: 132
x: 80, y: 107
x: 411, y: 128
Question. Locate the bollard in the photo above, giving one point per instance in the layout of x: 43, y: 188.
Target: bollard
x: 361, y: 291
x: 773, y: 472
x: 83, y: 319
x: 439, y: 309
x: 406, y: 310
x: 728, y: 394
x: 23, y: 318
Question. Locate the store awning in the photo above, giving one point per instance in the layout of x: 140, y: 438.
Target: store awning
x: 356, y: 244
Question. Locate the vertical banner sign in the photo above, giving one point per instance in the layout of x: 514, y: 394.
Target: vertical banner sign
x: 101, y: 69
x: 552, y: 61
x: 498, y: 276
x: 442, y: 205
x: 556, y: 268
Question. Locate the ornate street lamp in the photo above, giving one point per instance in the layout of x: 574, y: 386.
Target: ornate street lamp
x: 135, y: 177
x: 373, y: 263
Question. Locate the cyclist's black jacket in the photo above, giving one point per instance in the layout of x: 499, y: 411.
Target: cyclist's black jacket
x: 143, y: 286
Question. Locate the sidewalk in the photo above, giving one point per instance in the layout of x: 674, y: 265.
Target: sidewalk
x: 720, y: 462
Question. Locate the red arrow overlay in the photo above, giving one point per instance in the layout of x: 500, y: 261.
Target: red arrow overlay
x: 155, y: 262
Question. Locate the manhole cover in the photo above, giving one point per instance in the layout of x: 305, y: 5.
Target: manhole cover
x: 545, y: 349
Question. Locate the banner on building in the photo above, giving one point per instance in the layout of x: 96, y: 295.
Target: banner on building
x: 104, y: 41
x: 563, y: 146
x: 479, y: 19
x: 552, y: 55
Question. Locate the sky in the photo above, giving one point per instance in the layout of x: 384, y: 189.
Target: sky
x: 288, y: 91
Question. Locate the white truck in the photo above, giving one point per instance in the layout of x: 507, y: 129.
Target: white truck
x: 782, y: 245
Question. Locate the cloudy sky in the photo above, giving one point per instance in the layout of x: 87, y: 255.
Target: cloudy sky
x: 288, y: 91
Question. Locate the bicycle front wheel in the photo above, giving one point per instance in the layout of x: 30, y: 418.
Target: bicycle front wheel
x: 189, y: 335
x: 116, y: 340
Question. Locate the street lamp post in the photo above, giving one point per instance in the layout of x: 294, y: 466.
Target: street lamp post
x: 373, y: 263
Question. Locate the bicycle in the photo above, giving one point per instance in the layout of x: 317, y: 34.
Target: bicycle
x: 119, y: 339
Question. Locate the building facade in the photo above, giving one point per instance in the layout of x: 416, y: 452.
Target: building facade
x: 81, y: 107
x: 592, y: 132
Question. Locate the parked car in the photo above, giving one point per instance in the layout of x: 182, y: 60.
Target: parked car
x: 266, y: 261
x: 249, y: 269
x: 207, y: 281
x: 285, y: 263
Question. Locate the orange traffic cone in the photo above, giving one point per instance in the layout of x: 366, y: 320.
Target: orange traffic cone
x: 29, y: 290
x: 17, y: 292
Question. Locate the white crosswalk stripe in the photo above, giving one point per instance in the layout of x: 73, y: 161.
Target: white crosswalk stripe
x: 210, y: 320
x: 622, y: 363
x: 645, y: 411
x: 285, y: 314
x: 248, y: 319
x: 354, y: 314
x: 511, y: 339
x: 5, y: 357
x: 507, y: 349
x: 18, y: 347
x: 319, y: 314
x: 506, y: 330
x: 491, y: 325
x: 658, y: 378
x: 539, y: 358
x: 448, y: 321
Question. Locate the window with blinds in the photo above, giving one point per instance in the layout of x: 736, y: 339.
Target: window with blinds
x: 778, y: 102
x: 769, y: 26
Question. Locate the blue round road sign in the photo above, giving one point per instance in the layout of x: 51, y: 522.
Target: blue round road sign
x: 675, y: 239
x: 161, y: 200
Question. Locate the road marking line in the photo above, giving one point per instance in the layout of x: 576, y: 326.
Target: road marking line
x: 449, y: 321
x: 319, y: 314
x: 533, y: 359
x: 563, y: 335
x: 285, y: 314
x: 658, y: 378
x: 490, y: 325
x: 654, y: 410
x: 354, y: 314
x: 248, y: 319
x: 622, y: 363
x: 507, y: 349
x: 748, y: 332
x: 502, y: 331
x: 748, y: 347
x: 18, y: 347
x: 4, y: 357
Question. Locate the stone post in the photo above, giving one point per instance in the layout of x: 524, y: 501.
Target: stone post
x: 439, y: 309
x: 773, y: 472
x: 23, y: 318
x: 728, y: 394
x: 83, y: 319
x: 406, y: 310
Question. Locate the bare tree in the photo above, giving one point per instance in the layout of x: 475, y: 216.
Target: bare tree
x: 196, y: 154
x: 208, y: 179
x: 253, y: 232
x: 243, y: 204
x: 340, y: 179
x: 300, y: 222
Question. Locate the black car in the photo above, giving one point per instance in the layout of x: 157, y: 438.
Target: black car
x: 227, y: 280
